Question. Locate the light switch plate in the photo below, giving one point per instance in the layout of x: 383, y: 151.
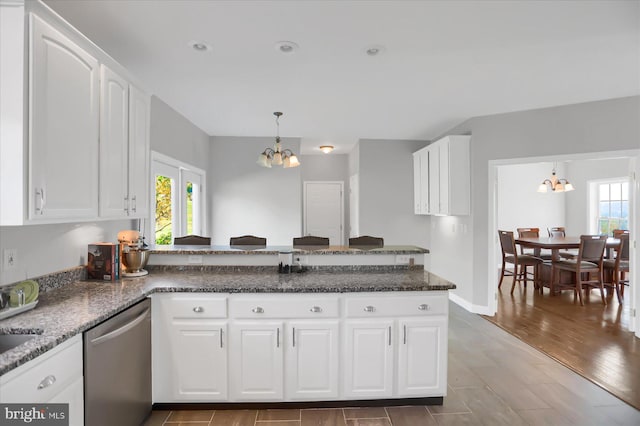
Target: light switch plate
x: 10, y: 259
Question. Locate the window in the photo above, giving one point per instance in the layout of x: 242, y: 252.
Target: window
x: 178, y: 199
x: 613, y: 206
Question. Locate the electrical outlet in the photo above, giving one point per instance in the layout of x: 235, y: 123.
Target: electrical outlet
x: 10, y: 259
x: 194, y: 259
x: 403, y: 259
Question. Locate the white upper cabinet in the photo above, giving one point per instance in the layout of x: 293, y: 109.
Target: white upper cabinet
x: 74, y: 132
x: 443, y: 183
x: 114, y: 144
x: 63, y: 130
x: 139, y: 127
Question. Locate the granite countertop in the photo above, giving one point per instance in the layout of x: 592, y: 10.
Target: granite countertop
x: 271, y: 250
x: 67, y: 311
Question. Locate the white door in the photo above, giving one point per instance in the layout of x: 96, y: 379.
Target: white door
x: 165, y: 225
x: 422, y: 357
x: 354, y: 206
x: 444, y: 178
x: 256, y: 360
x: 114, y: 144
x: 324, y: 210
x: 417, y: 183
x: 434, y: 179
x: 63, y: 139
x: 198, y: 363
x: 191, y: 203
x: 139, y: 154
x: 368, y: 363
x: 312, y: 360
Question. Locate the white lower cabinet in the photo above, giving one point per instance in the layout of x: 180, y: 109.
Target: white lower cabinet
x: 54, y: 377
x: 256, y: 355
x: 422, y: 357
x: 299, y: 347
x: 312, y: 357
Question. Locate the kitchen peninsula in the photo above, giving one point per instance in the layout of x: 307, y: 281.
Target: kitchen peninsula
x: 249, y: 335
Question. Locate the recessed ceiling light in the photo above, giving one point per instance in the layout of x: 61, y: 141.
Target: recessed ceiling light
x: 287, y: 47
x: 199, y: 46
x: 374, y: 50
x: 326, y: 148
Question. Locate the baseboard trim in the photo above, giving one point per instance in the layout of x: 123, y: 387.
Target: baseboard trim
x: 434, y: 400
x: 476, y: 309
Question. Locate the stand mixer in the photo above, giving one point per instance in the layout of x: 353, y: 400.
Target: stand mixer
x: 133, y: 256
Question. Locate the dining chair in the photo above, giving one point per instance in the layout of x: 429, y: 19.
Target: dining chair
x: 192, y: 240
x: 310, y: 240
x: 519, y: 261
x: 559, y: 231
x: 589, y: 261
x: 618, y: 232
x: 532, y: 233
x: 366, y: 240
x: 618, y: 267
x: 247, y: 240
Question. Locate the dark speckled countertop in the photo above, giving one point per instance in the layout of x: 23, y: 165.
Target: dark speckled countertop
x: 271, y: 250
x: 64, y: 312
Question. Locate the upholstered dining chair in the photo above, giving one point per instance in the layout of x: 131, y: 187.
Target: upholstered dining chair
x: 247, y: 240
x: 192, y: 240
x: 560, y: 232
x: 532, y: 233
x: 617, y: 268
x: 310, y: 240
x: 519, y: 262
x: 618, y: 232
x: 589, y: 262
x: 366, y: 240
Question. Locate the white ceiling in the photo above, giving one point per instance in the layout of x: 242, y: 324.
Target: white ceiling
x: 445, y: 61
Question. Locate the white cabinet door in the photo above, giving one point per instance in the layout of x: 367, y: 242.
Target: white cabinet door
x: 422, y: 357
x: 74, y: 396
x: 368, y: 359
x: 417, y: 183
x: 198, y: 360
x: 434, y: 179
x: 114, y: 144
x: 312, y: 360
x: 63, y: 138
x: 139, y: 180
x: 256, y: 360
x: 443, y: 174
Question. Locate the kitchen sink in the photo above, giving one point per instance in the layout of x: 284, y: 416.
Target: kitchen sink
x: 10, y: 341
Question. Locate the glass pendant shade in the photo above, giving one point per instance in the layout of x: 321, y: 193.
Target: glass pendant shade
x: 277, y: 156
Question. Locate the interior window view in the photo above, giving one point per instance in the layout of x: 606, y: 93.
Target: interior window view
x: 277, y: 213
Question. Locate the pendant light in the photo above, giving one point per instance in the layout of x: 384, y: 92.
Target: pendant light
x: 556, y: 184
x: 277, y: 156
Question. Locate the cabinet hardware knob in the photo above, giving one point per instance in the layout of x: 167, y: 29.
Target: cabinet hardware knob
x: 369, y: 308
x: 198, y: 309
x: 424, y: 307
x: 47, y: 381
x: 316, y: 309
x: 257, y: 310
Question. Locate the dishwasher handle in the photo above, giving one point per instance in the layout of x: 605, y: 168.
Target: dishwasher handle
x: 117, y: 332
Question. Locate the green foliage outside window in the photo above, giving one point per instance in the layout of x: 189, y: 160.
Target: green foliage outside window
x: 163, y: 211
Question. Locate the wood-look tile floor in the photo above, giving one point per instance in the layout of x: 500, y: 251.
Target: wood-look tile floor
x: 593, y: 340
x: 494, y: 379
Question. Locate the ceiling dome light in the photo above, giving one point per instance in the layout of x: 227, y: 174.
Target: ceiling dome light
x: 374, y: 50
x: 199, y: 46
x: 286, y: 47
x: 326, y: 148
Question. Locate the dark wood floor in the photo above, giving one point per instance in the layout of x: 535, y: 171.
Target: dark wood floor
x: 592, y: 340
x: 494, y: 379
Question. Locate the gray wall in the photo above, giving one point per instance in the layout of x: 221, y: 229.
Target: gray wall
x: 386, y: 192
x: 175, y: 136
x: 592, y: 127
x: 249, y: 199
x: 328, y: 167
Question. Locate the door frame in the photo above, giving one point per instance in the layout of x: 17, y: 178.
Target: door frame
x: 304, y: 205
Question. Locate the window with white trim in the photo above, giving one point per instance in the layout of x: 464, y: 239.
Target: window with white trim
x: 611, y: 199
x: 178, y: 199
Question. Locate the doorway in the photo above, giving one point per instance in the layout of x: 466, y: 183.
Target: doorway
x: 323, y: 211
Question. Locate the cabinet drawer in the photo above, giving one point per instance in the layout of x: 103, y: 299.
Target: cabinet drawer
x: 195, y: 306
x: 385, y: 306
x: 284, y: 307
x: 44, y: 377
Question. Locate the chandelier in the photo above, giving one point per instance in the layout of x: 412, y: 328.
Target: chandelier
x: 556, y: 184
x: 277, y: 156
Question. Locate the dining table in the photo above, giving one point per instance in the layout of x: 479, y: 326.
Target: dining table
x: 555, y: 244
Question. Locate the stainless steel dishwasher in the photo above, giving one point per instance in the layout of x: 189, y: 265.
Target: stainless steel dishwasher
x: 117, y: 369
